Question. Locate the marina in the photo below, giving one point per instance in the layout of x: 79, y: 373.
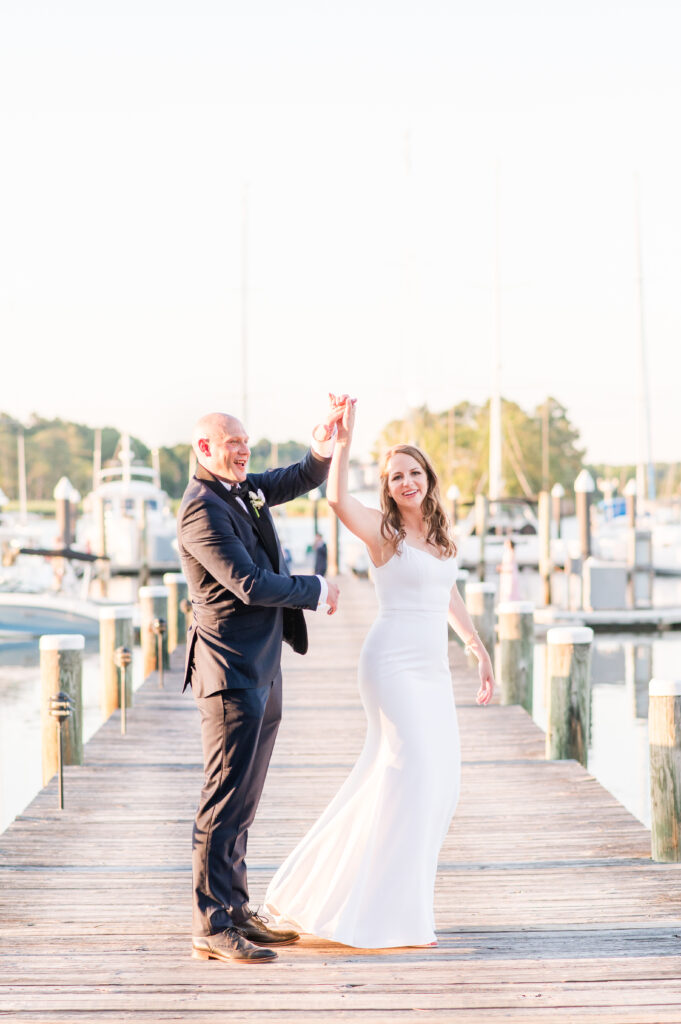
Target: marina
x: 24, y: 617
x: 548, y: 906
x: 462, y: 226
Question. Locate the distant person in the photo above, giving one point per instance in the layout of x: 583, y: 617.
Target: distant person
x: 321, y: 555
x: 244, y: 603
x: 509, y: 577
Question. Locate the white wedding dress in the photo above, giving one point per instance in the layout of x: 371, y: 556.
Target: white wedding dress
x: 365, y: 872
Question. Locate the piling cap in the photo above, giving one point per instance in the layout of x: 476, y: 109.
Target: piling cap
x: 558, y: 491
x: 62, y: 642
x: 153, y: 591
x: 174, y: 577
x: 664, y: 688
x: 584, y: 483
x: 517, y: 607
x: 481, y: 588
x: 116, y: 611
x: 570, y: 635
x: 64, y: 490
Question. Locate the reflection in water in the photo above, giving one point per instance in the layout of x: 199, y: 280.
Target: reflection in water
x: 20, y: 730
x: 621, y: 669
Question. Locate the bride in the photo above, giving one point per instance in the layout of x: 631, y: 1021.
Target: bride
x: 364, y: 874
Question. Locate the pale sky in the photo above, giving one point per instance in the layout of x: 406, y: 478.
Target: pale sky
x: 368, y: 136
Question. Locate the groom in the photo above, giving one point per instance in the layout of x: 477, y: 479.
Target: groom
x: 244, y: 602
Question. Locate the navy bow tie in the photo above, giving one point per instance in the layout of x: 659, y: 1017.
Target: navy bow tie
x: 240, y: 490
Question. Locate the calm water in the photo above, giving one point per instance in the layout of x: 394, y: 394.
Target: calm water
x: 622, y: 665
x: 20, y: 742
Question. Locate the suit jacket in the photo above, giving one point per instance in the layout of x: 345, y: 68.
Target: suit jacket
x: 244, y: 599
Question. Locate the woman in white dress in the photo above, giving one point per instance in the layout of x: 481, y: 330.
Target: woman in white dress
x: 364, y: 874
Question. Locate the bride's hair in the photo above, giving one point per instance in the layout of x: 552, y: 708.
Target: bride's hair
x: 434, y: 515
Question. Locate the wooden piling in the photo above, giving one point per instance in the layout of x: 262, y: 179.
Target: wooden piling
x: 630, y: 502
x: 176, y: 583
x: 115, y: 630
x: 515, y: 653
x: 664, y: 737
x: 143, y: 544
x: 453, y: 495
x: 584, y: 487
x: 569, y: 692
x: 61, y: 670
x: 557, y: 495
x: 153, y: 605
x: 481, y: 514
x: 638, y: 671
x: 103, y: 568
x: 480, y: 605
x: 462, y: 582
x: 63, y: 512
x: 641, y: 573
x: 544, y: 516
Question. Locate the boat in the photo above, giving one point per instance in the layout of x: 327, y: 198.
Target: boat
x: 128, y: 518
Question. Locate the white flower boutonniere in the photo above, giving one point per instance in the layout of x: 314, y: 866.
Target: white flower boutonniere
x: 257, y: 501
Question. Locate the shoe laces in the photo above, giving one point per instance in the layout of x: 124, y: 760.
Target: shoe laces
x: 259, y: 917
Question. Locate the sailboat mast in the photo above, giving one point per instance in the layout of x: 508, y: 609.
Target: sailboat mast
x: 244, y: 307
x: 97, y: 459
x: 645, y: 468
x: 495, y: 401
x: 21, y: 458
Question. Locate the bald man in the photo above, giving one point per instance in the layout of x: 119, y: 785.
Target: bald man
x: 244, y: 604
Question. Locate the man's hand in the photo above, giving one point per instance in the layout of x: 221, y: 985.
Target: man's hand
x: 332, y: 597
x: 324, y: 431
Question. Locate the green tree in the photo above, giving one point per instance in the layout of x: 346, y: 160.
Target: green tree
x: 457, y: 441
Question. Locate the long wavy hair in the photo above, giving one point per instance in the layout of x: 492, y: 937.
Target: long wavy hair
x: 435, y: 518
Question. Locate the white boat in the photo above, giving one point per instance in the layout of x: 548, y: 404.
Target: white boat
x: 139, y: 525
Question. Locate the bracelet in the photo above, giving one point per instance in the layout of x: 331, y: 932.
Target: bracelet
x: 468, y: 644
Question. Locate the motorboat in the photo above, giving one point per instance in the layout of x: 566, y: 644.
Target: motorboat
x: 128, y: 518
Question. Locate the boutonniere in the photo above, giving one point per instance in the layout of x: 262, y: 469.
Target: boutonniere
x: 257, y: 501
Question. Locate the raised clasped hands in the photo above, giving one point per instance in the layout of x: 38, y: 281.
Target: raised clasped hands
x: 336, y: 408
x: 346, y: 423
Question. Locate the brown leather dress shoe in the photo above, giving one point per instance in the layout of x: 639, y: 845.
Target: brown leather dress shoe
x: 229, y: 945
x: 256, y: 929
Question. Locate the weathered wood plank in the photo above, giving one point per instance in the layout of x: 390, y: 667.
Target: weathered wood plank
x: 547, y: 904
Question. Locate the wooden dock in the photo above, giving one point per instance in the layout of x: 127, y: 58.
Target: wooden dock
x: 548, y: 907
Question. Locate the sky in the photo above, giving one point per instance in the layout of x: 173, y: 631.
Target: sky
x: 385, y: 157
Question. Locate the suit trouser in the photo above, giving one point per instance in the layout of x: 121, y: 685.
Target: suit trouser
x: 238, y: 730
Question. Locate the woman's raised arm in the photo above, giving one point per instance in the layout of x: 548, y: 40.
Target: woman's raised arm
x: 364, y: 522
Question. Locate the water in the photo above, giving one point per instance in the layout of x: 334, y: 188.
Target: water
x: 621, y: 668
x: 20, y: 727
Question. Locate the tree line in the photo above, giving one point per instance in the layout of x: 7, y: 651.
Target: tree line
x: 540, y: 448
x: 56, y: 447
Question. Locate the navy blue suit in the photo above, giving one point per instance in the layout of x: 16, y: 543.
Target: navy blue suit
x: 244, y: 604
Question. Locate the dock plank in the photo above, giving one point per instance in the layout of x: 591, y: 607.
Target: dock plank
x: 548, y: 907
